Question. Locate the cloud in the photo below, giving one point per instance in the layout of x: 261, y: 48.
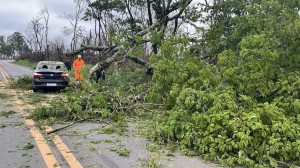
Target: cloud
x: 58, y: 7
x: 15, y: 15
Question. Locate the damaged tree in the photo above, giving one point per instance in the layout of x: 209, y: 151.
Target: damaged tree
x: 133, y: 34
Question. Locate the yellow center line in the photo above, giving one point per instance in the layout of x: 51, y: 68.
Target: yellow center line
x: 46, y: 152
x: 43, y: 147
x: 65, y: 151
x: 4, y: 74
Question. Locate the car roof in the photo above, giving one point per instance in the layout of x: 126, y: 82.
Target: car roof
x: 50, y: 62
x: 50, y: 66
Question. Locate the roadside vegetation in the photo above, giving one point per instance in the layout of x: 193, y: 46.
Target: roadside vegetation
x: 111, y: 99
x: 26, y: 62
x: 22, y: 83
x: 4, y: 96
x: 198, y: 108
x: 228, y: 92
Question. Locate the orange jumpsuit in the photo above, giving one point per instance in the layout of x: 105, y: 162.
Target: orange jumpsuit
x: 77, y: 65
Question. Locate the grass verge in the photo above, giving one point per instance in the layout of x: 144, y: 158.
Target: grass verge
x: 26, y: 63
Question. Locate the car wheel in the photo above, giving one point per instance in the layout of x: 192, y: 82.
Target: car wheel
x: 34, y: 90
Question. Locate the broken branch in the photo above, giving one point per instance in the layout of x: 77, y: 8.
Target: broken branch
x: 63, y: 127
x: 91, y: 47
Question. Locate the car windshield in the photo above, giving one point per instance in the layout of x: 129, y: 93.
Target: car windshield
x: 60, y: 66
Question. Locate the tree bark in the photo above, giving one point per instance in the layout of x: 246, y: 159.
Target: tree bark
x: 103, y: 65
x: 91, y: 47
x: 154, y: 46
x: 150, y: 69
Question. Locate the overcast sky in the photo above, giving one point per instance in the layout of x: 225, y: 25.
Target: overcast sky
x: 16, y: 14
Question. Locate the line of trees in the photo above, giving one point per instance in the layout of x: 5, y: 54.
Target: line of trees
x: 12, y: 46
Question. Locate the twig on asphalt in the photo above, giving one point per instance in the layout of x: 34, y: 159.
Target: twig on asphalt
x: 63, y: 127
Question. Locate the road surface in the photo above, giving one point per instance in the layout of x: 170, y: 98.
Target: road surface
x: 80, y: 145
x: 14, y: 70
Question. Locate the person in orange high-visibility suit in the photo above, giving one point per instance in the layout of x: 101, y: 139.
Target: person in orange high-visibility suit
x: 77, y: 65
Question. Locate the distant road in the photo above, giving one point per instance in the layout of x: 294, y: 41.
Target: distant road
x: 13, y: 70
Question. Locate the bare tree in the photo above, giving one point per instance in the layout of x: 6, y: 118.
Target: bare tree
x: 34, y: 37
x: 29, y: 38
x: 36, y: 29
x: 44, y: 16
x: 56, y: 49
x: 74, y: 28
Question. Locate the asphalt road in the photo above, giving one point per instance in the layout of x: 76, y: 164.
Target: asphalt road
x: 85, y: 140
x: 18, y: 147
x: 15, y: 145
x: 14, y: 70
x: 16, y: 141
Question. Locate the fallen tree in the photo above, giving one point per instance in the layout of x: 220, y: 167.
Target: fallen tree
x: 172, y: 12
x: 116, y: 53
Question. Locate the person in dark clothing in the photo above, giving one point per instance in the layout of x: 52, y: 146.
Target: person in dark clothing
x: 68, y: 64
x: 100, y: 74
